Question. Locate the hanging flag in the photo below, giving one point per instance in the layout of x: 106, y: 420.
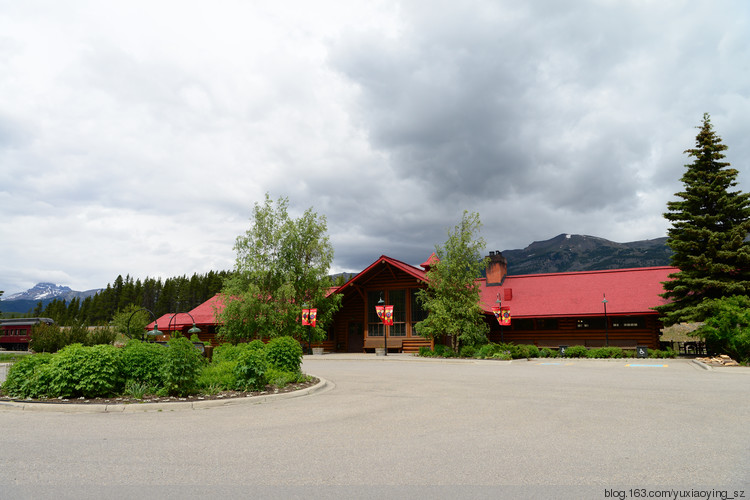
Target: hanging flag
x: 388, y: 315
x: 305, y: 317
x: 496, y: 310
x: 313, y: 317
x: 380, y: 311
x: 504, y: 319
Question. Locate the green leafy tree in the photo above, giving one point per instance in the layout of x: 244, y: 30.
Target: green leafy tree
x: 709, y: 226
x: 138, y: 318
x: 727, y: 326
x: 451, y: 298
x: 282, y: 264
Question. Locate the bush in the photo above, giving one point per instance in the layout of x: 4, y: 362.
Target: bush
x: 182, y: 366
x: 47, y: 338
x: 52, y: 338
x: 532, y: 351
x: 218, y: 377
x: 279, y: 378
x: 142, y: 362
x: 576, y: 351
x: 727, y: 327
x: 546, y: 352
x: 606, y: 352
x: 468, y: 351
x: 28, y: 377
x: 285, y: 353
x: 426, y: 352
x: 89, y: 372
x: 251, y: 368
x: 488, y: 350
x: 656, y: 353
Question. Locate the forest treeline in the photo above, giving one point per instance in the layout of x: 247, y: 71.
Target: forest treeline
x: 172, y: 295
x: 180, y: 294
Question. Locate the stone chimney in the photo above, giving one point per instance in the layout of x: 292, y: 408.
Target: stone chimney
x: 497, y: 268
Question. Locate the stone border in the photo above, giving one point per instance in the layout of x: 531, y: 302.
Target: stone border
x: 321, y: 386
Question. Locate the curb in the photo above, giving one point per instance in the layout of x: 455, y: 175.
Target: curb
x: 702, y: 365
x: 321, y: 386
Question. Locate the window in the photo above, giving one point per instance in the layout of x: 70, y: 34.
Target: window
x: 397, y: 298
x: 374, y: 326
x: 593, y: 322
x: 546, y: 324
x: 522, y: 324
x: 627, y: 322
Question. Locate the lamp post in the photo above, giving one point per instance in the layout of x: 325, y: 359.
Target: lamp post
x: 381, y: 304
x: 155, y: 331
x: 606, y: 323
x: 499, y: 307
x: 193, y: 330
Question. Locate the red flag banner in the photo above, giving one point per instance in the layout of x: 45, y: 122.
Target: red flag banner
x: 496, y: 310
x: 380, y: 310
x: 305, y: 317
x: 504, y: 316
x: 313, y: 317
x: 388, y: 315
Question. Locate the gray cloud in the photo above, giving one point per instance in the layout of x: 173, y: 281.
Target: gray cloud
x: 137, y: 144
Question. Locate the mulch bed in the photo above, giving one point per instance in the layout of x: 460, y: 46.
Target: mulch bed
x: 175, y: 399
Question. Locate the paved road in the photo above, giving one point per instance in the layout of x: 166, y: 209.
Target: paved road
x: 405, y: 427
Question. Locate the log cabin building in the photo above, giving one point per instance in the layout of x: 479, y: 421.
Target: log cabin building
x: 547, y: 310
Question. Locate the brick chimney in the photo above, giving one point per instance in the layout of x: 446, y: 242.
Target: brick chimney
x: 497, y: 268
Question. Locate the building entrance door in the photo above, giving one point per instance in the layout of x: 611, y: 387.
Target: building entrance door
x: 356, y: 338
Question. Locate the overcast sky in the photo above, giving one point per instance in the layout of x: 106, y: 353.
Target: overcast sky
x: 136, y: 136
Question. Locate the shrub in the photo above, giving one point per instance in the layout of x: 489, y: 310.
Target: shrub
x: 142, y: 362
x: 218, y: 377
x: 285, y: 353
x: 532, y: 351
x: 280, y: 378
x: 89, y: 372
x: 656, y: 353
x: 487, y: 351
x: 101, y: 335
x: 47, y: 338
x: 606, y: 352
x: 503, y: 355
x: 182, y: 366
x: 251, y: 368
x: 576, y: 351
x: 28, y: 377
x: 225, y: 352
x: 468, y: 351
x: 727, y: 326
x: 426, y: 352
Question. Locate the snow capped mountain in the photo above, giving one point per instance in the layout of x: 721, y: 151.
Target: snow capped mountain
x: 41, y: 291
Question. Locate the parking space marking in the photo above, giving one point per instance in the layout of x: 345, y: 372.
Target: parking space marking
x: 649, y: 366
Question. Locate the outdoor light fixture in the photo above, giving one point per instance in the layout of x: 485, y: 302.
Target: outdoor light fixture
x: 151, y: 332
x: 385, y: 313
x: 606, y: 326
x: 192, y: 331
x: 155, y: 331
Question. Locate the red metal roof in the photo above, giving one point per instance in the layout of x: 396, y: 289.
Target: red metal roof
x: 628, y: 291
x: 408, y: 269
x: 203, y: 315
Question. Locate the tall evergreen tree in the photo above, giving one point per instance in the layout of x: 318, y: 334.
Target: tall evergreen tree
x: 710, y: 224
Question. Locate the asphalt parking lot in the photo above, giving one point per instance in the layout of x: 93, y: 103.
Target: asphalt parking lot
x: 407, y: 427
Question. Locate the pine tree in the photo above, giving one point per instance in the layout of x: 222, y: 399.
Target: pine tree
x: 709, y: 227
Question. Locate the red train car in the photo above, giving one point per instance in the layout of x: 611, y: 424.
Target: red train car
x: 15, y: 333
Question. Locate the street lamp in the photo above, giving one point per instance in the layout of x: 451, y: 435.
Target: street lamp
x: 381, y: 305
x: 155, y: 331
x: 606, y: 323
x: 498, y: 304
x: 193, y: 330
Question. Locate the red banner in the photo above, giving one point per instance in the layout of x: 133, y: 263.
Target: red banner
x: 502, y: 314
x: 385, y: 313
x: 313, y: 317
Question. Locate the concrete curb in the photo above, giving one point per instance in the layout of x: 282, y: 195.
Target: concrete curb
x: 321, y: 386
x: 702, y: 365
